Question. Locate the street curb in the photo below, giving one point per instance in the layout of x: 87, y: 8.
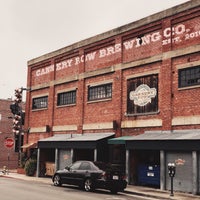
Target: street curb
x: 144, y: 195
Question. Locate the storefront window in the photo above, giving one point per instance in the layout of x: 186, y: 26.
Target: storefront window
x: 142, y: 95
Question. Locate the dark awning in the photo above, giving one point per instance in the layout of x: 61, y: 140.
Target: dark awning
x: 75, y: 141
x: 119, y: 140
x: 165, y: 140
x: 161, y: 140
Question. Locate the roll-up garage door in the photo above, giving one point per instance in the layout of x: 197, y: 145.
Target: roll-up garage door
x: 199, y: 170
x: 64, y: 158
x: 183, y: 176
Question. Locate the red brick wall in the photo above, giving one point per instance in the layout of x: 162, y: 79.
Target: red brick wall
x: 186, y: 101
x: 115, y: 59
x: 65, y: 114
x: 6, y: 132
x: 41, y: 117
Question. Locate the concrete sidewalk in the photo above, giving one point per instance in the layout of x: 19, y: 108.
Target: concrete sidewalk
x: 130, y: 190
x: 159, y: 194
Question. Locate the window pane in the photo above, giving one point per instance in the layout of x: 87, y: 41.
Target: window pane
x: 40, y: 102
x: 66, y: 98
x: 100, y: 92
x: 75, y: 166
x: 189, y: 76
x: 142, y: 95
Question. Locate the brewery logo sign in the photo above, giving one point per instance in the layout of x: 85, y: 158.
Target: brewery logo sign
x: 142, y: 95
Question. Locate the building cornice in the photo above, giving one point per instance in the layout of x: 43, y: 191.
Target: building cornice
x: 120, y: 30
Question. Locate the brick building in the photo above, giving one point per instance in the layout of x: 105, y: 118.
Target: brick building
x: 8, y: 156
x: 132, y: 91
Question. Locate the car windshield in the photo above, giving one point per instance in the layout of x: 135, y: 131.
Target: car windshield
x: 83, y: 165
x: 75, y: 166
x: 95, y: 167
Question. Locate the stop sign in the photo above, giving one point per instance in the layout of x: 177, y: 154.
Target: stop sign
x: 9, y: 142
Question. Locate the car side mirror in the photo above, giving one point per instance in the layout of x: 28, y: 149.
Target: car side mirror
x: 67, y: 168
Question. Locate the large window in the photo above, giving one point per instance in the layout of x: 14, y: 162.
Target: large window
x: 189, y: 76
x: 40, y: 102
x: 66, y: 98
x: 100, y: 92
x: 142, y: 95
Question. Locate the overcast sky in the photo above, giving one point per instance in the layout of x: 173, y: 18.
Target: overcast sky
x: 31, y: 28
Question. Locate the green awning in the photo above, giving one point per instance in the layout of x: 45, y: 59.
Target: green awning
x: 118, y: 140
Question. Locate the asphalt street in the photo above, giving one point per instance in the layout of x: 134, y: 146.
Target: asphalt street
x: 22, y: 190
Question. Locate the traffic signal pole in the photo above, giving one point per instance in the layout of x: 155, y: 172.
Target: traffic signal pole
x: 16, y: 109
x: 18, y: 100
x: 20, y: 138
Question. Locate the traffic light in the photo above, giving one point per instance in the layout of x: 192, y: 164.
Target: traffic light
x: 17, y: 140
x: 18, y: 95
x: 17, y: 124
x: 23, y: 117
x: 15, y: 109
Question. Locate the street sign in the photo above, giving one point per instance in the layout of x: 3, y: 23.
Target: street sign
x: 9, y: 143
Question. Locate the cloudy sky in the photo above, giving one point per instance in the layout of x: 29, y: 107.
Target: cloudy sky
x: 31, y: 28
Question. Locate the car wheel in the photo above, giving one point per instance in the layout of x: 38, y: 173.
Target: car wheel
x: 88, y: 185
x: 57, y: 180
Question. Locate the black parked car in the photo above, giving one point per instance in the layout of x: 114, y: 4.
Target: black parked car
x: 90, y: 175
